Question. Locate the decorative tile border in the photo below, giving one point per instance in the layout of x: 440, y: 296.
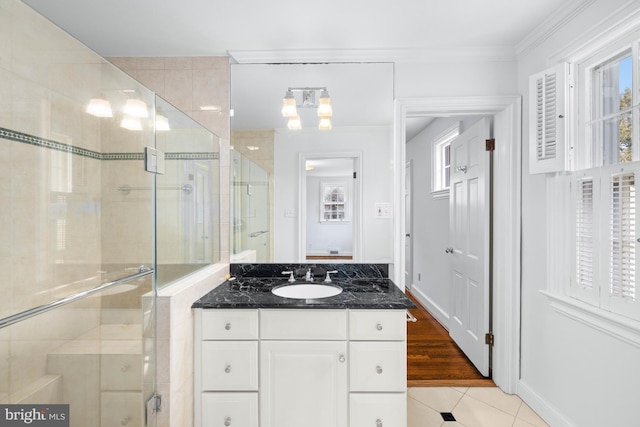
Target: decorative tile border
x: 12, y: 135
x: 47, y: 143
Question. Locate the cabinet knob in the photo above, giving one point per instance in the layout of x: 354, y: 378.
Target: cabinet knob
x: 125, y: 421
x: 227, y: 326
x: 227, y: 421
x: 379, y: 369
x: 124, y: 368
x: 227, y: 369
x: 379, y: 326
x: 341, y: 358
x: 378, y: 422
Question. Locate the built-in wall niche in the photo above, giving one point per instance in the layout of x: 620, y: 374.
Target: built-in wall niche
x: 362, y: 125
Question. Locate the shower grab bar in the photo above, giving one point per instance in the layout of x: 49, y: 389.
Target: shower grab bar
x: 258, y: 233
x: 126, y: 189
x: 23, y: 315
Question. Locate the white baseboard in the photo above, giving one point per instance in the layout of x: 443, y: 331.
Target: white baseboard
x: 435, y: 310
x: 543, y: 408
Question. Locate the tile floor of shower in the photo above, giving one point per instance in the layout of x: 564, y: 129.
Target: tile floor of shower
x: 468, y: 407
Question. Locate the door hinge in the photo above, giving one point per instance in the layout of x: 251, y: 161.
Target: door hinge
x: 488, y: 339
x: 153, y: 160
x: 491, y: 144
x: 152, y: 407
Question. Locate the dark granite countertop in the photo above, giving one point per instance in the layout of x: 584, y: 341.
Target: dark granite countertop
x: 255, y: 292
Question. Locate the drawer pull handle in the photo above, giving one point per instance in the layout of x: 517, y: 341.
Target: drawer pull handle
x: 125, y: 421
x: 124, y: 368
x: 341, y: 358
x: 227, y: 326
x: 227, y: 369
x: 227, y: 421
x: 379, y: 326
x: 378, y: 422
x: 379, y: 369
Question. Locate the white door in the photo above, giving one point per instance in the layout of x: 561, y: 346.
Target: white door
x: 469, y: 223
x: 408, y: 243
x: 303, y: 383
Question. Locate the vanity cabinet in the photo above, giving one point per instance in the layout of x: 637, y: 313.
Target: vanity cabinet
x: 293, y: 367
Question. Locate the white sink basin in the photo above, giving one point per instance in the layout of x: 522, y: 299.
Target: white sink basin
x: 306, y: 290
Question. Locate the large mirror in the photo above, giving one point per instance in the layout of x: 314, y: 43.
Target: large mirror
x: 312, y: 194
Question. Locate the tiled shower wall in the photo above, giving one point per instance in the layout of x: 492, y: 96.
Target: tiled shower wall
x: 198, y: 86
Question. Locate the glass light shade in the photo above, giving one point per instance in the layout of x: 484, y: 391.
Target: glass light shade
x: 162, y: 123
x: 131, y: 123
x: 294, y: 123
x: 99, y: 107
x: 324, y: 105
x: 289, y: 105
x: 135, y: 108
x: 325, y: 123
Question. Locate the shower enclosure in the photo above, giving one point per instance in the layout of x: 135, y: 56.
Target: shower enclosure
x: 107, y: 192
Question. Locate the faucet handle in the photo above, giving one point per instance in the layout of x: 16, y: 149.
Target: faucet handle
x: 291, y: 279
x: 327, y: 279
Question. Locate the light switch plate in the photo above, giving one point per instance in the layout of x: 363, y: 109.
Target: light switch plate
x: 383, y: 210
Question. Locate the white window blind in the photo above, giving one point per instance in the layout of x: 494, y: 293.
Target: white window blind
x: 584, y: 233
x: 622, y: 229
x: 605, y: 216
x: 547, y: 111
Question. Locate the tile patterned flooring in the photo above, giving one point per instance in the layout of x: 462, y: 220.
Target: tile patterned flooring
x: 470, y: 406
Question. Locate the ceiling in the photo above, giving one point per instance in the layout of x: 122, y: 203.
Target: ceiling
x: 210, y: 27
x: 329, y: 31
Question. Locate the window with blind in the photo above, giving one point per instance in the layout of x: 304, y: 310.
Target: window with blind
x: 605, y: 239
x: 604, y: 191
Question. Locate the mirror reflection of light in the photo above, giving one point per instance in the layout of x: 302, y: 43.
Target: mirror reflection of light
x: 131, y: 123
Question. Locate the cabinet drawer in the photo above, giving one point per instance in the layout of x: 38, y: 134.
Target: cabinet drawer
x: 378, y: 410
x: 377, y: 325
x: 120, y: 372
x: 303, y: 324
x: 378, y: 366
x: 230, y: 409
x: 229, y: 324
x: 230, y: 365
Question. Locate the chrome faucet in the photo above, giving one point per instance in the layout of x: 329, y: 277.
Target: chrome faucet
x: 309, y: 276
x: 327, y: 279
x: 291, y: 279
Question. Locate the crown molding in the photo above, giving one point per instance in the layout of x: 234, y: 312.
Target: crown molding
x: 624, y: 22
x: 565, y: 14
x: 396, y: 55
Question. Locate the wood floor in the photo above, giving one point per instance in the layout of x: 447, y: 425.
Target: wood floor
x: 433, y: 359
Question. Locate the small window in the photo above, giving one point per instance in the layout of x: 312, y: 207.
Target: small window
x: 333, y: 206
x: 441, y: 176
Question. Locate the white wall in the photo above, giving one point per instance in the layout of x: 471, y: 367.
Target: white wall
x: 324, y: 236
x: 376, y: 174
x: 430, y: 233
x: 571, y: 373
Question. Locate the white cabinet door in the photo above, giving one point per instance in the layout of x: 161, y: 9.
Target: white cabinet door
x: 303, y: 383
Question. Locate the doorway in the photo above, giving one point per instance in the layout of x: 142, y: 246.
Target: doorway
x: 506, y: 250
x: 330, y: 206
